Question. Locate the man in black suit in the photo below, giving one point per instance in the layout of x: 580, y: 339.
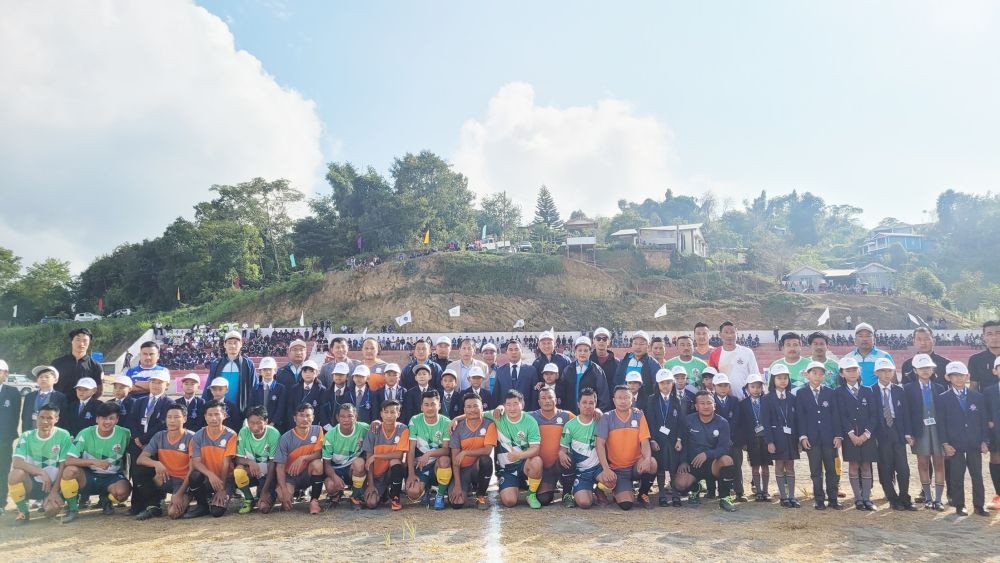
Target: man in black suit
x: 45, y: 377
x: 413, y: 398
x: 10, y: 413
x: 515, y: 375
x: 307, y: 390
x: 964, y: 435
x: 890, y: 435
x: 391, y: 391
x: 817, y: 417
x: 82, y: 410
x: 146, y: 417
x: 452, y: 404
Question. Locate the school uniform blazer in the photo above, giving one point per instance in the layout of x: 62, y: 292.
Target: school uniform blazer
x: 654, y: 412
x: 298, y: 395
x: 728, y: 409
x: 773, y: 419
x: 901, y: 425
x: 649, y: 369
x: 456, y: 407
x: 412, y: 401
x: 527, y: 377
x: 331, y: 404
x: 594, y: 378
x: 817, y: 421
x: 157, y: 419
x: 10, y: 413
x: 858, y: 414
x: 275, y: 400
x: 914, y: 400
x: 531, y: 401
x: 743, y: 433
x: 56, y: 398
x: 195, y: 412
x: 75, y: 420
x: 379, y: 397
x: 963, y: 429
x: 365, y: 407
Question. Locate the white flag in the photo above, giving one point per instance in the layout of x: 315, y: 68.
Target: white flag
x: 519, y: 323
x: 364, y: 332
x: 405, y: 318
x: 913, y: 319
x: 455, y: 311
x: 302, y: 318
x: 661, y: 312
x: 922, y: 321
x: 824, y: 317
x: 15, y: 312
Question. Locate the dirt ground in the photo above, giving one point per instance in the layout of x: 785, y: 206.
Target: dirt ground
x: 758, y: 531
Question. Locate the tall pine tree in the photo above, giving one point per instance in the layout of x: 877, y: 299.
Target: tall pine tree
x: 546, y: 212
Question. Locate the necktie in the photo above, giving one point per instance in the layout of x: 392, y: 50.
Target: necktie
x: 361, y: 394
x: 926, y: 391
x: 887, y: 406
x: 513, y: 375
x: 339, y: 392
x: 756, y: 410
x: 816, y: 392
x: 961, y: 399
x: 82, y: 405
x: 150, y: 406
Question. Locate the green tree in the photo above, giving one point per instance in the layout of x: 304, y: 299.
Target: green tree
x: 501, y: 215
x: 45, y: 289
x: 10, y: 268
x: 547, y: 222
x: 430, y: 196
x: 925, y: 282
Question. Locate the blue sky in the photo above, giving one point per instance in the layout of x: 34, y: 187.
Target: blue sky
x: 859, y: 102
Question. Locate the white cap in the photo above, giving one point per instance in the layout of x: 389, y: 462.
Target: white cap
x: 342, y: 368
x: 678, y: 370
x: 391, y: 367
x: 3, y: 366
x: 550, y: 367
x: 582, y: 340
x: 755, y: 378
x: 161, y: 375
x: 601, y: 331
x: 844, y: 363
x: 268, y: 363
x: 39, y: 369
x: 362, y: 370
x: 864, y: 326
x: 233, y: 334
x: 191, y: 377
x: 782, y: 369
x: 442, y: 340
x: 296, y: 342
x: 220, y: 382
x: 416, y: 368
x: 953, y: 367
x: 122, y: 379
x: 640, y: 334
x: 664, y: 375
x: 86, y: 383
x: 489, y: 346
x: 884, y: 363
x: 450, y: 372
x: 545, y: 335
x: 815, y: 364
x: 922, y: 361
x: 720, y: 378
x: 310, y: 364
x: 476, y: 371
x: 633, y: 376
x: 709, y: 369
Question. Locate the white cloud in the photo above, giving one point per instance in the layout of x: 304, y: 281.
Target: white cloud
x: 118, y: 117
x: 589, y: 157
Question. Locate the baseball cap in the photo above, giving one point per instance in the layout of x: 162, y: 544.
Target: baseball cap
x: 189, y: 377
x: 633, y: 376
x: 123, y: 379
x: 86, y: 383
x: 220, y: 382
x: 957, y: 368
x: 416, y: 368
x: 922, y: 361
x: 391, y: 367
x: 489, y: 346
x: 720, y: 378
x: 39, y: 369
x: 546, y: 334
x: 448, y: 371
x: 3, y: 366
x: 342, y: 368
x: 601, y: 331
x: 442, y: 340
x: 710, y: 370
x: 640, y: 334
x: 884, y: 363
x: 864, y: 326
x: 755, y: 378
x: 233, y: 334
x: 550, y: 368
x: 296, y: 342
x: 362, y: 370
x: 268, y: 363
x: 782, y: 369
x: 161, y: 375
x: 664, y: 375
x: 844, y: 363
x: 678, y: 370
x: 582, y: 340
x: 476, y: 371
x: 309, y: 364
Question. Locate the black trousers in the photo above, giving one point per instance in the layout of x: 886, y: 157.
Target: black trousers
x: 6, y: 451
x: 893, y: 468
x: 820, y: 462
x: 957, y: 464
x: 736, y: 453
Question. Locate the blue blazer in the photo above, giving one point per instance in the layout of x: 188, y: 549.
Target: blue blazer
x: 366, y: 408
x: 655, y: 411
x: 743, y: 433
x: 901, y: 426
x: 775, y: 415
x: 914, y: 400
x: 276, y: 403
x: 298, y: 395
x: 196, y: 412
x: 856, y: 415
x: 10, y: 413
x: 74, y: 420
x: 157, y: 419
x: 817, y: 421
x: 729, y: 410
x: 378, y: 397
x: 29, y: 411
x: 963, y: 429
x: 527, y: 377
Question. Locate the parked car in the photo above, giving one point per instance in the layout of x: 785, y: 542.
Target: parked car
x: 22, y: 383
x: 47, y: 320
x: 84, y: 317
x: 525, y: 247
x: 120, y: 313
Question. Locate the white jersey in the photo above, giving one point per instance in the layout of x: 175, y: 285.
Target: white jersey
x: 738, y: 365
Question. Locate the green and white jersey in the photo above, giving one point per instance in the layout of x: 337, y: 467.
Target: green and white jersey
x: 831, y: 379
x: 46, y: 453
x: 261, y: 449
x: 515, y: 436
x: 343, y: 449
x: 796, y: 371
x: 578, y: 436
x: 91, y: 445
x: 429, y: 437
x: 693, y: 367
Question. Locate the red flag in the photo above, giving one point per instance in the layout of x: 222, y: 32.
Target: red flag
x: 100, y: 305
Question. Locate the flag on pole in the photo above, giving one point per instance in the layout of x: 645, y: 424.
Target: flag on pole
x: 100, y: 304
x: 405, y: 318
x: 364, y: 332
x: 824, y: 317
x: 427, y: 236
x: 291, y: 259
x: 922, y: 321
x: 178, y: 293
x: 484, y: 233
x: 455, y: 311
x: 913, y: 319
x: 15, y: 312
x: 519, y: 323
x: 302, y: 318
x: 661, y: 312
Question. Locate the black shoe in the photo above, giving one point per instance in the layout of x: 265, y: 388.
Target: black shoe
x: 920, y: 499
x: 835, y: 505
x: 869, y: 506
x: 980, y: 511
x: 676, y: 503
x: 785, y: 503
x: 909, y: 507
x: 961, y: 511
x: 136, y: 509
x: 197, y: 511
x: 859, y: 505
x: 765, y: 497
x: 150, y: 512
x: 896, y: 506
x: 740, y: 498
x: 642, y: 501
x: 710, y: 495
x: 726, y: 504
x: 820, y: 505
x: 794, y: 503
x: 938, y: 506
x: 664, y: 501
x: 108, y: 509
x: 69, y: 516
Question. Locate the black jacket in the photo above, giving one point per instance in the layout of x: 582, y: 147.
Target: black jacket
x: 74, y: 421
